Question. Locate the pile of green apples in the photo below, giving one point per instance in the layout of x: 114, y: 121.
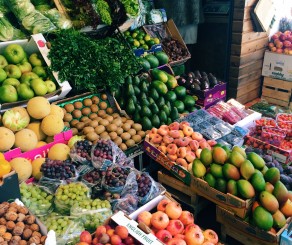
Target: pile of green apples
x: 22, y: 75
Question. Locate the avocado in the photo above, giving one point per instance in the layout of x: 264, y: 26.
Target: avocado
x: 136, y: 80
x: 128, y: 80
x: 163, y: 117
x: 155, y: 121
x: 146, y: 123
x: 144, y: 87
x: 134, y: 98
x: 130, y: 90
x: 151, y: 100
x: 137, y: 90
x: 130, y: 108
x: 145, y: 102
x: 154, y: 108
x: 145, y: 111
x: 160, y: 102
x: 122, y: 102
x: 166, y: 109
x: 143, y: 96
x: 137, y: 117
x: 174, y: 113
x: 153, y: 94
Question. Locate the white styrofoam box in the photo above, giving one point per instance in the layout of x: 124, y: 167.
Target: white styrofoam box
x: 249, y: 120
x: 277, y: 66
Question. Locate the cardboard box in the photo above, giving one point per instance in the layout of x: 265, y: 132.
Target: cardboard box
x: 209, y: 97
x: 178, y: 171
x: 277, y: 66
x: 40, y: 152
x: 244, y: 232
x: 144, y: 236
x: 279, y: 154
x: 9, y: 187
x: 37, y: 44
x: 228, y: 201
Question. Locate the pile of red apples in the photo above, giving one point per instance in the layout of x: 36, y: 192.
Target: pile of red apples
x: 281, y: 42
x: 174, y: 226
x: 179, y: 142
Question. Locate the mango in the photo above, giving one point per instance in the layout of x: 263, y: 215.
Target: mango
x: 199, y: 170
x: 209, y: 178
x: 232, y: 187
x: 246, y: 169
x: 245, y: 189
x: 272, y: 175
x: 221, y: 185
x: 206, y: 157
x: 262, y: 218
x: 264, y: 170
x: 286, y: 208
x: 239, y: 150
x: 236, y: 159
x: 216, y: 170
x: 257, y: 161
x: 258, y: 182
x: 279, y: 219
x: 230, y: 171
x: 290, y: 195
x: 219, y: 155
x: 269, y: 201
x: 280, y: 192
x: 269, y: 187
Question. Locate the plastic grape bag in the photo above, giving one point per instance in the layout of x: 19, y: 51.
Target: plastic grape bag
x: 37, y: 198
x: 92, y: 213
x: 67, y: 228
x: 105, y: 153
x: 67, y: 195
x: 93, y: 179
x: 81, y: 152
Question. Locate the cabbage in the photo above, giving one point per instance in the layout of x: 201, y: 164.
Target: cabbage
x: 6, y: 29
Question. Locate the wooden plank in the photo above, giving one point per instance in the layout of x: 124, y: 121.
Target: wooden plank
x: 241, y: 14
x: 277, y: 101
x: 244, y: 3
x: 240, y: 81
x: 236, y: 60
x: 276, y: 94
x: 249, y: 96
x: 242, y: 90
x: 249, y: 47
x: 242, y: 26
x: 238, y: 38
x: 246, y: 68
x: 277, y: 83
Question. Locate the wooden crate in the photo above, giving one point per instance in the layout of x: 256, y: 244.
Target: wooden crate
x: 182, y: 192
x: 277, y: 91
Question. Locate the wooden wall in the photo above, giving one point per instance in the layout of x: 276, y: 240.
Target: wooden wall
x: 247, y: 52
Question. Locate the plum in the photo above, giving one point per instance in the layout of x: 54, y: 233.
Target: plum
x: 268, y: 158
x: 270, y: 164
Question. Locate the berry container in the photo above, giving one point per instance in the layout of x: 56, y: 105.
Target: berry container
x: 273, y: 136
x: 264, y: 122
x: 284, y: 117
x: 287, y: 127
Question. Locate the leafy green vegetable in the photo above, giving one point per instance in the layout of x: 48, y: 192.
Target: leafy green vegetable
x: 103, y: 9
x: 90, y: 64
x: 6, y: 29
x: 131, y: 6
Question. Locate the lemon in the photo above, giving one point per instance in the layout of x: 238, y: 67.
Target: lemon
x: 136, y: 43
x: 147, y: 37
x: 134, y: 35
x: 142, y: 42
x: 144, y: 46
x: 156, y: 40
x: 5, y: 167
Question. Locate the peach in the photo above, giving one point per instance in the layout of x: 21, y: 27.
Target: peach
x: 121, y: 231
x: 116, y: 240
x: 188, y: 148
x: 163, y: 130
x: 174, y: 134
x: 144, y: 217
x: 162, y: 148
x: 197, y: 136
x: 191, y: 156
x: 100, y: 230
x: 153, y: 131
x: 279, y: 50
x: 210, y: 236
x: 181, y: 152
x: 186, y: 218
x: 187, y: 130
x: 182, y: 142
x: 212, y: 142
x: 273, y: 49
x: 95, y: 241
x: 176, y: 241
x: 157, y: 138
x: 181, y: 134
x: 203, y: 144
x: 163, y: 235
x: 162, y: 204
x: 194, y: 237
x: 184, y: 123
x: 85, y: 236
x: 173, y: 210
x: 171, y: 149
x: 175, y: 226
x: 182, y: 162
x: 174, y: 126
x: 167, y: 139
x: 198, y: 153
x: 160, y: 220
x: 194, y: 144
x: 172, y: 157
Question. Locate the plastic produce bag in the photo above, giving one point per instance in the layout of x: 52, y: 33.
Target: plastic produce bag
x: 38, y: 199
x: 67, y: 195
x: 105, y: 153
x: 20, y: 8
x: 92, y: 213
x: 93, y: 179
x: 81, y: 152
x: 67, y: 228
x: 36, y: 22
x: 58, y: 19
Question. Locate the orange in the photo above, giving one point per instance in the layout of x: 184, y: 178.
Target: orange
x: 2, y: 157
x: 5, y: 167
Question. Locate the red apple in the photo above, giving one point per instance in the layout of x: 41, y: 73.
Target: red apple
x: 173, y: 210
x: 274, y: 49
x: 277, y: 41
x: 282, y: 37
x: 271, y: 45
x: 85, y: 236
x: 162, y: 204
x: 287, y: 44
x: 274, y: 37
x: 286, y: 50
x: 181, y: 236
x: 176, y: 241
x: 279, y: 45
x: 194, y: 237
x: 175, y: 226
x: 129, y: 240
x: 279, y: 50
x: 159, y: 220
x: 287, y: 33
x: 186, y: 218
x: 210, y: 236
x: 145, y: 217
x: 95, y: 241
x: 163, y: 235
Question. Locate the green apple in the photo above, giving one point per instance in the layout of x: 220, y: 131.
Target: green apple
x: 40, y: 71
x: 39, y: 87
x: 3, y: 75
x: 12, y: 71
x: 25, y: 92
x: 27, y: 77
x: 11, y: 81
x: 35, y: 59
x: 3, y: 61
x: 51, y: 86
x: 14, y: 53
x: 8, y: 94
x: 24, y: 66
